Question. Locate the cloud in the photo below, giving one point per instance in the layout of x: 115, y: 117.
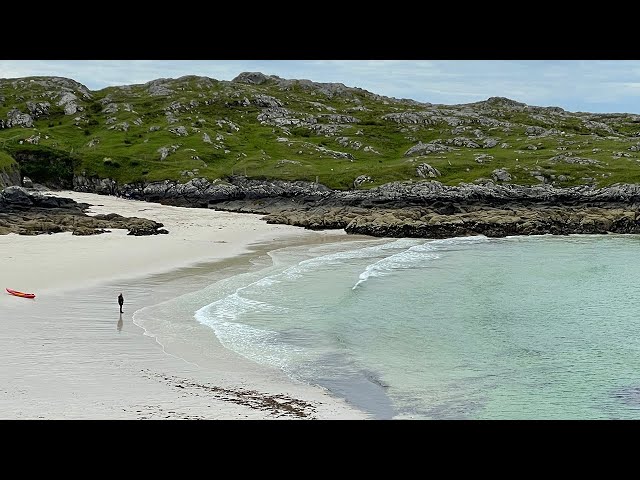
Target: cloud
x: 575, y: 85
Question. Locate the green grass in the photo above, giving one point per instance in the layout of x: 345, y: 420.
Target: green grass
x: 7, y: 162
x: 86, y: 142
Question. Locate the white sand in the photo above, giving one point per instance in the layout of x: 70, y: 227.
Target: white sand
x: 63, y: 261
x: 69, y: 354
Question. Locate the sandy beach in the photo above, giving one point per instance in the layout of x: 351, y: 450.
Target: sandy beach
x: 70, y: 354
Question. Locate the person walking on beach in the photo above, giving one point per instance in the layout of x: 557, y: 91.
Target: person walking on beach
x: 120, y: 301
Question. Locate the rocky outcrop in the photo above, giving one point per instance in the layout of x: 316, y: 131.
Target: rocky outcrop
x: 497, y: 222
x: 446, y: 221
x: 402, y: 209
x: 69, y: 102
x: 426, y: 148
x: 32, y: 213
x: 199, y: 192
x: 252, y: 78
x: 425, y: 170
x: 15, y: 118
x: 407, y: 209
x: 38, y: 109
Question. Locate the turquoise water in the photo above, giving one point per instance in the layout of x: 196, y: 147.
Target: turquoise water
x: 469, y: 328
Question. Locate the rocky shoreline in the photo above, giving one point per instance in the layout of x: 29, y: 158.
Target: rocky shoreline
x: 33, y: 213
x: 426, y: 209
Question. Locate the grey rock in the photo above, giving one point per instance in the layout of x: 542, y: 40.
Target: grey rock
x: 335, y: 153
x: 15, y: 118
x: 501, y: 174
x: 416, y: 118
x: 164, y: 152
x: 179, y: 131
x: 252, y: 78
x: 426, y: 148
x: 425, y: 170
x: 68, y: 101
x: 591, y: 125
x: 360, y: 179
x: 267, y: 101
x: 462, y: 142
x: 38, y: 109
x: 574, y: 160
x: 110, y: 108
x: 33, y: 139
x: 534, y: 131
x: 342, y: 118
x: 16, y: 195
x: 158, y: 88
x: 120, y: 127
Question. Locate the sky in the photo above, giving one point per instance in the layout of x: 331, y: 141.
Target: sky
x: 597, y: 86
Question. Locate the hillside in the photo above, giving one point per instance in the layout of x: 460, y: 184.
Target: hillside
x: 266, y: 127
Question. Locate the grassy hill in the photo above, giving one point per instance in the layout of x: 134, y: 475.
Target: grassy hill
x: 272, y: 128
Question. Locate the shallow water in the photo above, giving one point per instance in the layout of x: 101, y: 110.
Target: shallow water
x: 466, y: 328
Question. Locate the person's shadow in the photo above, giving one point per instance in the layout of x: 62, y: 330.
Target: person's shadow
x: 120, y: 322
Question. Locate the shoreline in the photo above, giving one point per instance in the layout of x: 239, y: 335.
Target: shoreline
x: 402, y: 209
x: 195, y: 236
x: 70, y: 355
x: 116, y: 255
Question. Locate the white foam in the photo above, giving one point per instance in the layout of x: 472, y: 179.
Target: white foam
x: 259, y: 345
x: 231, y: 307
x: 414, y: 257
x: 338, y: 258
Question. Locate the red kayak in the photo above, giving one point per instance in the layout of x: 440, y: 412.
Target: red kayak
x: 21, y: 294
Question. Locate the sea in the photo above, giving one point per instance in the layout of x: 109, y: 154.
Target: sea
x: 535, y: 327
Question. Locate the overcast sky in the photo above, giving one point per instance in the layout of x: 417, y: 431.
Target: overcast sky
x: 599, y: 86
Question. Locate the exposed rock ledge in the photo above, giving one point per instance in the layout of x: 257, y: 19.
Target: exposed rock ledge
x: 406, y: 209
x: 32, y: 213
